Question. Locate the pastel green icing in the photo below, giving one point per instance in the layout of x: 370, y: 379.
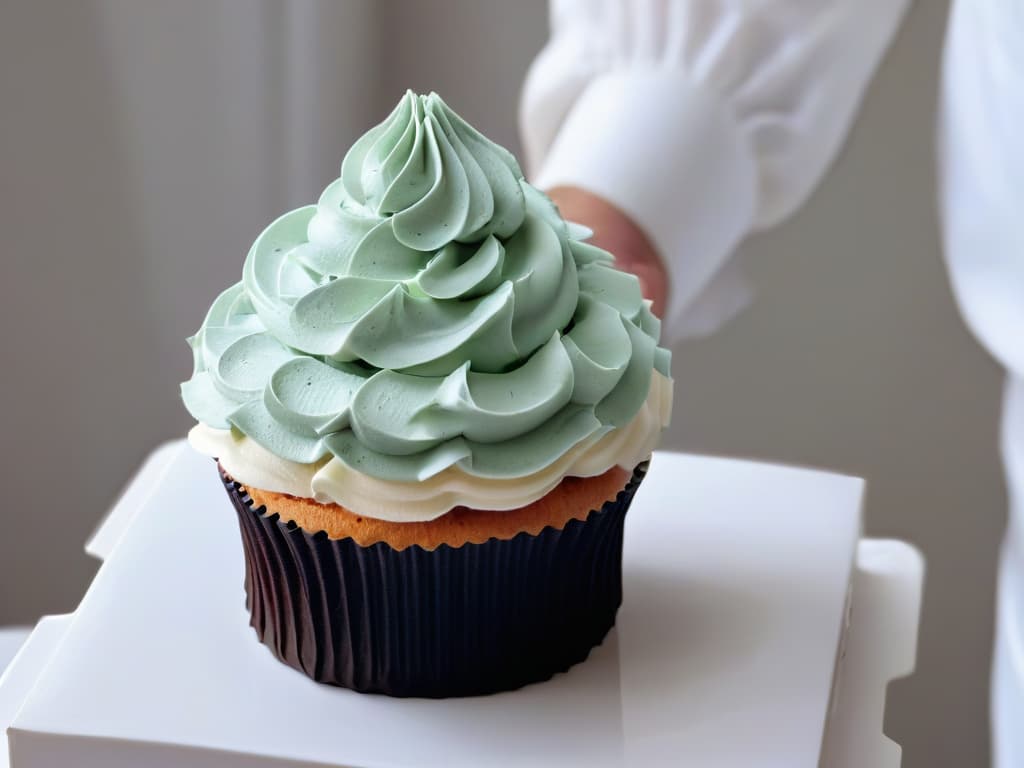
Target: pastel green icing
x: 432, y: 309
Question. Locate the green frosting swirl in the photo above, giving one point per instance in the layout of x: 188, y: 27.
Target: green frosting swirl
x: 431, y: 309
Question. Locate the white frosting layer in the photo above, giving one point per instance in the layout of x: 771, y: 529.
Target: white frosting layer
x: 331, y: 480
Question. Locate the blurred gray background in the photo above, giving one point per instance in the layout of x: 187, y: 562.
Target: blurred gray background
x: 144, y: 145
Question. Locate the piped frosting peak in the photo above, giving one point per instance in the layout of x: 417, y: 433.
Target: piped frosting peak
x: 431, y: 310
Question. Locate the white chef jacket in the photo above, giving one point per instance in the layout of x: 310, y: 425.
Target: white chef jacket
x: 707, y: 120
x: 981, y: 164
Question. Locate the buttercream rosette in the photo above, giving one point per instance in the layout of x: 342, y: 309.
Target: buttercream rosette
x: 430, y: 333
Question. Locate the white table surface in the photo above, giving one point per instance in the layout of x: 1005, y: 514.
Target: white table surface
x: 735, y: 582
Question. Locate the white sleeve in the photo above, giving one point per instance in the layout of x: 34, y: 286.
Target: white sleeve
x: 704, y: 120
x: 981, y: 163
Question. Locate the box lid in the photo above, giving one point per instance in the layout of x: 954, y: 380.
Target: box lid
x: 736, y: 577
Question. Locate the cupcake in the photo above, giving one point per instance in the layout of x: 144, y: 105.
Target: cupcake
x: 431, y: 402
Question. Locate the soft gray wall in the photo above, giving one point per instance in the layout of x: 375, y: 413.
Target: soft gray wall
x: 144, y: 145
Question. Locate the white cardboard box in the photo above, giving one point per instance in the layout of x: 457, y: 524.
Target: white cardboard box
x: 736, y: 576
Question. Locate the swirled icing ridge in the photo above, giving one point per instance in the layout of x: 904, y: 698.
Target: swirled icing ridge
x: 431, y: 311
x: 333, y: 481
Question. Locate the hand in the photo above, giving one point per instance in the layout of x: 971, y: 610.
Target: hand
x: 617, y: 233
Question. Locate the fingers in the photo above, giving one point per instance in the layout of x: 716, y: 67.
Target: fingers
x: 652, y: 282
x: 617, y: 233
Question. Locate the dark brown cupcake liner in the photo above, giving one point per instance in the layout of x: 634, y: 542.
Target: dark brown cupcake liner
x: 453, y: 621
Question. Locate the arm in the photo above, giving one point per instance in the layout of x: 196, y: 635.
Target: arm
x: 981, y: 172
x: 696, y: 123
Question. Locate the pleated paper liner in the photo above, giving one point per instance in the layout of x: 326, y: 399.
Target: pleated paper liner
x: 453, y: 621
